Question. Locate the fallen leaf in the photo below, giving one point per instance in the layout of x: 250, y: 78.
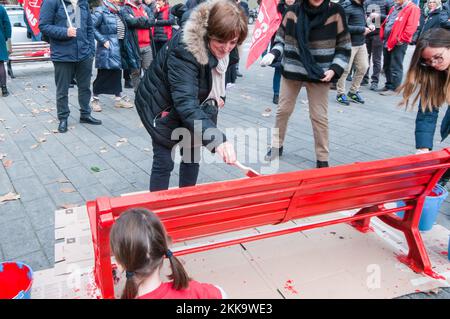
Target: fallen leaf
x: 34, y: 146
x: 47, y: 133
x: 7, y: 163
x: 2, y: 155
x: 265, y: 114
x: 42, y: 140
x: 35, y: 111
x: 55, y: 131
x: 121, y: 141
x: 95, y: 169
x: 63, y: 180
x: 9, y: 196
x: 67, y: 190
x: 268, y: 109
x: 146, y: 149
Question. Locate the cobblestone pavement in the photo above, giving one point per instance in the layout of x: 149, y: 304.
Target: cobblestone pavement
x: 51, y: 170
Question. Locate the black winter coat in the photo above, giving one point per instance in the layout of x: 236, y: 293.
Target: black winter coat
x: 177, y: 82
x: 160, y: 34
x: 133, y: 24
x: 445, y: 15
x: 356, y: 21
x: 431, y: 21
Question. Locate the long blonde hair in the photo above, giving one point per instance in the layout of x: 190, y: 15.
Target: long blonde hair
x: 428, y: 84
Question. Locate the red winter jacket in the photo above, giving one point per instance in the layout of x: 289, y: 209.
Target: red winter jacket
x: 404, y: 27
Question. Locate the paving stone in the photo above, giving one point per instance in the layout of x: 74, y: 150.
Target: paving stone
x: 11, y: 210
x: 29, y: 188
x: 36, y: 260
x: 46, y: 237
x: 60, y: 198
x: 93, y: 160
x: 79, y: 149
x: 16, y: 230
x: 94, y: 191
x: 41, y: 212
x: 80, y: 176
x: 19, y: 248
x: 113, y: 181
x: 19, y: 169
x: 48, y: 173
x: 65, y: 160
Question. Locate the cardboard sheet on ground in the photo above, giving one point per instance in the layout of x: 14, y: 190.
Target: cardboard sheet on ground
x: 331, y: 262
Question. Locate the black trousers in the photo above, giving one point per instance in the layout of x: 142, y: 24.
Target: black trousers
x: 393, y: 66
x: 64, y: 73
x: 163, y: 165
x: 375, y: 50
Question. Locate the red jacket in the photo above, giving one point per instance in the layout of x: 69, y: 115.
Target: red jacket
x: 404, y: 27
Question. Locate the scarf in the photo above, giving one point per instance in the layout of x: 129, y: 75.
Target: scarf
x: 309, y: 18
x: 218, y: 79
x: 111, y: 6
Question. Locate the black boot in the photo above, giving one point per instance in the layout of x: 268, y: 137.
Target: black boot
x: 275, y: 99
x: 90, y: 120
x: 273, y: 153
x: 5, y: 92
x: 62, y: 128
x: 322, y: 164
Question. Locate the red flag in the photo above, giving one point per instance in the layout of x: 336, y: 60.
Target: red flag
x: 267, y: 23
x: 32, y: 9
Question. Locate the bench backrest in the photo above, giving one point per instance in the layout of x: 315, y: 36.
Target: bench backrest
x: 22, y: 48
x: 221, y: 207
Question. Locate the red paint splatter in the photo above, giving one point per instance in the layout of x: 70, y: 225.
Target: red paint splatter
x: 289, y: 286
x: 445, y: 253
x: 417, y: 290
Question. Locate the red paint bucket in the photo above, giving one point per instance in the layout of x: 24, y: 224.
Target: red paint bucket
x: 16, y: 279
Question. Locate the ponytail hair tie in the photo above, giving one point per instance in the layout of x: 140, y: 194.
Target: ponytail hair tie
x: 169, y: 253
x: 129, y: 274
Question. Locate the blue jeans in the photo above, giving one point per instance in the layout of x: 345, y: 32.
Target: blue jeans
x: 163, y: 165
x: 276, y: 81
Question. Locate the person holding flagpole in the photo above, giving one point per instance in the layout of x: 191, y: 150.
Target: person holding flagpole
x: 68, y: 25
x: 315, y: 46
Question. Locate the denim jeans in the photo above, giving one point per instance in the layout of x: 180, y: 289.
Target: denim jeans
x: 375, y: 51
x: 276, y: 81
x: 163, y: 165
x: 393, y: 66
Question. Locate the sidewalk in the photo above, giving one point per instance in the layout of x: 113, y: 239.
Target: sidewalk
x: 52, y: 171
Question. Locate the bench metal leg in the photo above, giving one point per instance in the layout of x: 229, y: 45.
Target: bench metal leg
x: 10, y: 70
x: 363, y: 225
x: 417, y: 258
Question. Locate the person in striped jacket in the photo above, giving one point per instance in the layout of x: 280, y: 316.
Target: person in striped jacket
x: 315, y: 46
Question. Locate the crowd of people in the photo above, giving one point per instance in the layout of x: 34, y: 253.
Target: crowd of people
x: 179, y: 60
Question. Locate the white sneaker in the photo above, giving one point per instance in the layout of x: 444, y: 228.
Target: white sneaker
x: 123, y: 103
x: 95, y: 104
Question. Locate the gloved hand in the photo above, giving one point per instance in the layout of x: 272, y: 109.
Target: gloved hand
x: 267, y: 59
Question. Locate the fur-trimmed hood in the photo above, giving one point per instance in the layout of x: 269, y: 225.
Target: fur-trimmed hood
x: 194, y: 32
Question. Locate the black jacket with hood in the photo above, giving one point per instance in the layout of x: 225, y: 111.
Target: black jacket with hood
x: 178, y: 81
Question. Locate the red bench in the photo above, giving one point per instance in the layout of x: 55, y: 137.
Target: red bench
x: 220, y: 207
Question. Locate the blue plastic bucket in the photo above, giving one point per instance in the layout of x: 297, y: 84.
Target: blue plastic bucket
x: 16, y: 279
x: 430, y: 209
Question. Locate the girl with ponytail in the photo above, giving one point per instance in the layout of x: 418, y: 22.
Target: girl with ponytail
x: 140, y: 244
